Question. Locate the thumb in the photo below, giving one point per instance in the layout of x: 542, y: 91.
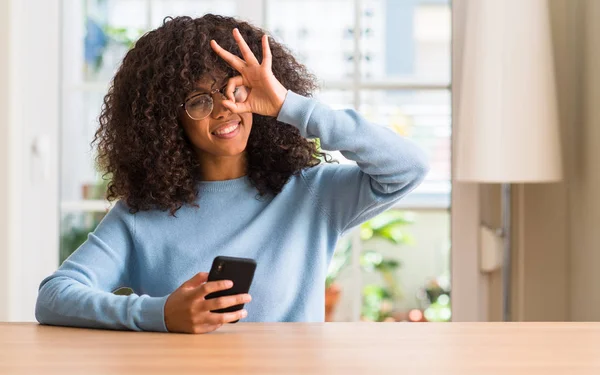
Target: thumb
x: 198, y: 279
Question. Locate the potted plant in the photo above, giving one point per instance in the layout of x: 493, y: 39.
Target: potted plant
x: 377, y: 299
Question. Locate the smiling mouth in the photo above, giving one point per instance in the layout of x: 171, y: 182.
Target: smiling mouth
x: 227, y: 130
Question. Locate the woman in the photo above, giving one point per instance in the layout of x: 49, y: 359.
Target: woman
x: 204, y: 134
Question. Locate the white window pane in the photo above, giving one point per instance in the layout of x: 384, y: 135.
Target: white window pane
x: 192, y: 8
x: 406, y: 40
x: 317, y: 32
x: 336, y: 99
x: 119, y: 13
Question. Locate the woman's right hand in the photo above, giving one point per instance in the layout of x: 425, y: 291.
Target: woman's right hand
x: 187, y: 311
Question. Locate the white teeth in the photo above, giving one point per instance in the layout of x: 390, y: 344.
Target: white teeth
x: 227, y: 130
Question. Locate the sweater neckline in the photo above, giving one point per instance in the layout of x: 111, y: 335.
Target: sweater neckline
x: 224, y: 185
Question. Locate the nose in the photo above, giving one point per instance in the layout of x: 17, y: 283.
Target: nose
x: 219, y: 110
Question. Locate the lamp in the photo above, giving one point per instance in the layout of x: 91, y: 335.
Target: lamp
x: 507, y: 116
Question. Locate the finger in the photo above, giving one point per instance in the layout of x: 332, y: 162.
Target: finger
x: 205, y: 328
x: 225, y: 302
x: 198, y: 279
x: 231, y: 85
x: 223, y: 318
x: 231, y: 59
x: 233, y: 107
x: 246, y: 51
x: 267, y: 57
x: 213, y: 286
x: 215, y: 327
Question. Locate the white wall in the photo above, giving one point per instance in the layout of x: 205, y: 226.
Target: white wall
x: 4, y: 141
x: 29, y: 98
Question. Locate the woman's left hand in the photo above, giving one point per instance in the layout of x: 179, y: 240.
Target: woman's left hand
x: 266, y: 92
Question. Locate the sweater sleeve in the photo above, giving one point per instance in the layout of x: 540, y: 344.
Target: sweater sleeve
x: 388, y: 165
x: 80, y: 294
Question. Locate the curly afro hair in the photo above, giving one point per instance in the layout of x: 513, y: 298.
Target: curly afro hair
x: 141, y: 144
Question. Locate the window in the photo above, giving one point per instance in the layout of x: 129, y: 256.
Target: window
x: 388, y: 59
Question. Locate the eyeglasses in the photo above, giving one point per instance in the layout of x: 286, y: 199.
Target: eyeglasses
x: 199, y: 106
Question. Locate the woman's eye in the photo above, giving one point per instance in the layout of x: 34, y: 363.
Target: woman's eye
x: 240, y: 94
x: 199, y: 101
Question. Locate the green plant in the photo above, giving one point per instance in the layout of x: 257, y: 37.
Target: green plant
x: 378, y: 299
x: 75, y: 228
x: 377, y: 303
x: 101, y: 36
x: 390, y: 227
x: 339, y: 261
x: 122, y: 35
x: 440, y: 310
x: 435, y: 299
x: 74, y: 233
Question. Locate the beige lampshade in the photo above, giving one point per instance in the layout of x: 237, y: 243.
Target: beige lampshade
x: 508, y: 117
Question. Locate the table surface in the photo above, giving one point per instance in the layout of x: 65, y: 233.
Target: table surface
x: 288, y: 348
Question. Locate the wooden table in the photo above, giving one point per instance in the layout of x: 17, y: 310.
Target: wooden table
x: 333, y: 348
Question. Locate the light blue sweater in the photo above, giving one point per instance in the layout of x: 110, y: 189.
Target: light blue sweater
x: 291, y: 236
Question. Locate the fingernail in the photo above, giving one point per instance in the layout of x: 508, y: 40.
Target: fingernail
x: 229, y: 283
x: 247, y: 298
x: 244, y: 313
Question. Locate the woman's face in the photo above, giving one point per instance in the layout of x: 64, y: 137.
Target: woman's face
x: 220, y: 133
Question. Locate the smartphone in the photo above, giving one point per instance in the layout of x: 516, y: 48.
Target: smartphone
x: 238, y: 270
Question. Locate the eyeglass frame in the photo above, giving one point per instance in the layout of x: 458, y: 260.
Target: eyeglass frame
x: 212, y: 101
